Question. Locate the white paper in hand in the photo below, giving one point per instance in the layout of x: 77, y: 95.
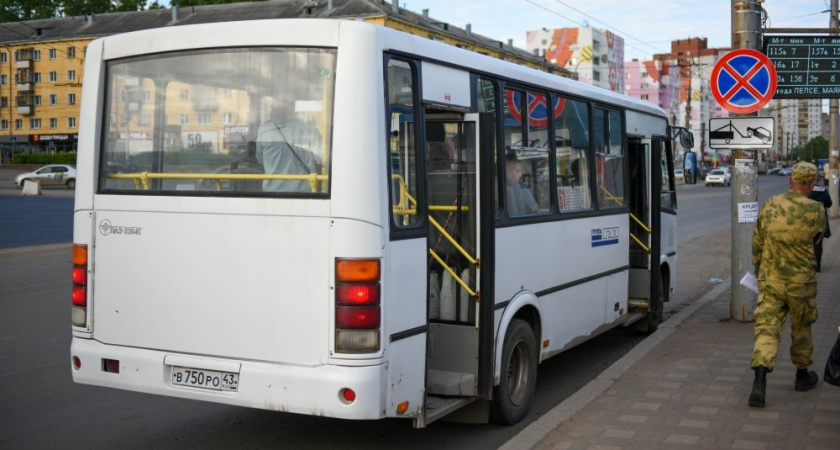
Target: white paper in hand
x: 750, y: 282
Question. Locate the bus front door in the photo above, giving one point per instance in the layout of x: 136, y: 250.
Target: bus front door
x: 453, y: 377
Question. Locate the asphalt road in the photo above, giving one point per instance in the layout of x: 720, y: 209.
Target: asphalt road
x: 40, y: 406
x: 31, y: 220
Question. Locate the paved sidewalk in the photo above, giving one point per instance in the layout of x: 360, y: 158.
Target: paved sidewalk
x: 687, y: 385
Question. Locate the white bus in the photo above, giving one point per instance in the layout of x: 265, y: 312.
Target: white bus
x: 333, y: 218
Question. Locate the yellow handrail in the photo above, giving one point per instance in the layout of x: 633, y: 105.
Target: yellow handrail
x: 141, y: 180
x: 611, y: 197
x: 448, y: 208
x: 644, y: 227
x: 407, y: 205
x: 451, y: 240
x: 641, y: 224
x: 644, y: 247
x: 452, y: 272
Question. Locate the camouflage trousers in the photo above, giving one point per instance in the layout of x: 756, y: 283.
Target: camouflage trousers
x: 775, y: 301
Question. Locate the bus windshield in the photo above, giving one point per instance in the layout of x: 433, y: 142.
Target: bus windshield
x: 225, y: 122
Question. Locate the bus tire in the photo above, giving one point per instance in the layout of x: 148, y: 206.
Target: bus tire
x: 518, y: 379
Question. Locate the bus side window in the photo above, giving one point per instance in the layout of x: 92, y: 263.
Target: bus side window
x: 486, y: 94
x: 571, y: 125
x: 609, y: 158
x: 402, y: 149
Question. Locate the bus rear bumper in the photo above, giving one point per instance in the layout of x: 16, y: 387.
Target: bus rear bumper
x: 310, y: 390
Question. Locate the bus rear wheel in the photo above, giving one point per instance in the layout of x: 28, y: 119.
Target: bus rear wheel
x: 513, y: 396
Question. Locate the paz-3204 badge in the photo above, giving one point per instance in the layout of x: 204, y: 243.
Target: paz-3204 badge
x: 106, y: 228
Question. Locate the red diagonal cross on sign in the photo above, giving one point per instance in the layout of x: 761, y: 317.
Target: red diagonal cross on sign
x: 746, y: 93
x: 758, y: 86
x: 742, y: 82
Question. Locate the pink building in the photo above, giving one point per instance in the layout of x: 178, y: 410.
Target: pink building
x: 658, y: 84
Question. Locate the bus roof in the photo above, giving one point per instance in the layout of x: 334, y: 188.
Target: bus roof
x: 326, y: 32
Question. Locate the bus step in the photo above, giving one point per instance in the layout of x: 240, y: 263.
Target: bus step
x: 638, y: 303
x: 633, y: 318
x: 439, y: 407
x: 449, y: 383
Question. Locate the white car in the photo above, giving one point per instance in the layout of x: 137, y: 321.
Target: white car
x: 718, y: 176
x: 52, y: 175
x: 679, y: 175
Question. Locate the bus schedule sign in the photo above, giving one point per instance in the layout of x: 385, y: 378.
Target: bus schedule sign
x: 806, y: 66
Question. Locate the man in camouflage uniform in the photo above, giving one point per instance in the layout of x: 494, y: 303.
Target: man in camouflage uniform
x: 788, y: 226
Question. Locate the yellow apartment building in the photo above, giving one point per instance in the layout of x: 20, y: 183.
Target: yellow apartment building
x: 40, y: 90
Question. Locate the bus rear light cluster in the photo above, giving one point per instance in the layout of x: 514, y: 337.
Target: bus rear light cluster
x: 358, y: 318
x: 80, y: 284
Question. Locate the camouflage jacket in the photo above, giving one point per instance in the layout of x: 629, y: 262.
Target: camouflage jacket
x: 788, y: 226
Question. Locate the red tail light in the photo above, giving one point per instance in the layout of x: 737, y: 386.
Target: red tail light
x: 80, y: 282
x: 357, y: 294
x: 79, y: 276
x: 357, y: 311
x: 79, y: 296
x: 355, y: 318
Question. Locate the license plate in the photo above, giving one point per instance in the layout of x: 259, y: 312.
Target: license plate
x: 205, y: 379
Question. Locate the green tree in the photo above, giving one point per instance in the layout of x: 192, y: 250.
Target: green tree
x: 14, y: 10
x: 817, y: 148
x: 83, y: 8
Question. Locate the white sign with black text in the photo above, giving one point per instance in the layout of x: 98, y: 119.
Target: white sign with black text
x: 747, y: 212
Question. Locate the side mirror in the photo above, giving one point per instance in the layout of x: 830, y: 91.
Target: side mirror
x: 690, y: 168
x: 687, y: 139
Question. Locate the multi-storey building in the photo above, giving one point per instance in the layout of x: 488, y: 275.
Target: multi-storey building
x: 694, y: 61
x: 596, y: 56
x: 655, y: 81
x: 42, y: 61
x: 40, y: 88
x: 797, y: 121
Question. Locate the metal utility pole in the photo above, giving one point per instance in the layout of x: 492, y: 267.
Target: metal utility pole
x: 746, y: 34
x: 833, y: 153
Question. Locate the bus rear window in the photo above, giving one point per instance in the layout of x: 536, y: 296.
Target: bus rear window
x: 228, y: 122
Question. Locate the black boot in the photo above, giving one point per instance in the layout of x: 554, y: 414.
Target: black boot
x: 805, y: 380
x: 760, y: 383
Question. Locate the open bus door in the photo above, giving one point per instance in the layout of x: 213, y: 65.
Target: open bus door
x: 652, y: 217
x: 459, y: 350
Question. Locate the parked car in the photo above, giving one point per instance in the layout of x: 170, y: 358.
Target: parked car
x: 784, y: 172
x: 679, y: 175
x: 52, y: 175
x: 718, y: 176
x: 773, y: 170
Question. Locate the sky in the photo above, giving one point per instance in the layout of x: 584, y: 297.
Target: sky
x: 647, y: 26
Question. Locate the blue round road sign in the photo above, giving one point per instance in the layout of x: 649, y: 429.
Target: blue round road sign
x: 743, y: 81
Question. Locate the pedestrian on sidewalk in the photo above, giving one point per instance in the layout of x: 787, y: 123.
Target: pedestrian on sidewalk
x: 788, y: 227
x: 820, y: 194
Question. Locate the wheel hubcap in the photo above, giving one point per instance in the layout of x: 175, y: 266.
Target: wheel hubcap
x: 519, y: 370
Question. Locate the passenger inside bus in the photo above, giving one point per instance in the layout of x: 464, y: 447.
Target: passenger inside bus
x: 286, y: 145
x: 520, y: 201
x: 440, y: 153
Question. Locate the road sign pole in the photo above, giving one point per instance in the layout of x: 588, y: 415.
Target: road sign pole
x: 746, y: 34
x: 833, y: 153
